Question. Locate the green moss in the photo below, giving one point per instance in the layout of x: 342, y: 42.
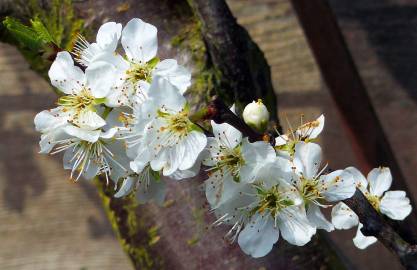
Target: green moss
x: 133, y: 234
x: 205, y: 76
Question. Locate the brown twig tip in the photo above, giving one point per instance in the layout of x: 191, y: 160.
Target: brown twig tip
x: 375, y: 225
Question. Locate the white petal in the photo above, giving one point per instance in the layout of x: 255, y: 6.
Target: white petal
x: 256, y: 155
x: 359, y: 178
x: 88, y: 172
x: 276, y: 172
x: 191, y: 172
x: 64, y: 75
x: 141, y: 161
x: 361, y: 241
x: 194, y: 144
x: 109, y: 133
x: 100, y: 78
x: 210, y: 152
x: 159, y: 162
x: 220, y: 189
x: 395, y: 205
x: 49, y: 120
x: 156, y: 191
x: 126, y: 187
x: 48, y: 140
x: 343, y: 217
x: 108, y: 36
x: 45, y: 144
x: 89, y: 120
x: 258, y: 236
x: 316, y: 218
x: 91, y: 171
x: 119, y: 162
x: 337, y: 185
x: 380, y: 180
x: 235, y: 206
x: 281, y: 140
x: 86, y: 135
x: 313, y: 129
x: 139, y: 40
x: 175, y: 155
x: 162, y: 93
x: 175, y: 74
x: 294, y: 226
x: 307, y: 158
x: 226, y: 134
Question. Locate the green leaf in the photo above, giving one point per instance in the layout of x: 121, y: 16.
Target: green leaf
x: 42, y: 32
x: 23, y: 34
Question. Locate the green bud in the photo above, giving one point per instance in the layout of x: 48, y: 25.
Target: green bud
x: 256, y: 115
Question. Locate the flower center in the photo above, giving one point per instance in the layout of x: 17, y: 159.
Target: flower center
x: 272, y: 200
x: 79, y: 101
x: 230, y: 160
x: 309, y: 189
x: 373, y: 200
x: 138, y: 72
x: 179, y: 123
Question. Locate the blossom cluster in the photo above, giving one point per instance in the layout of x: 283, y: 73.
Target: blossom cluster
x: 123, y: 114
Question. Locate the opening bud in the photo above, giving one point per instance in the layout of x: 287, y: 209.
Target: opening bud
x: 256, y: 115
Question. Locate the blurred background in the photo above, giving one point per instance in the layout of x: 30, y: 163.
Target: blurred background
x: 47, y: 222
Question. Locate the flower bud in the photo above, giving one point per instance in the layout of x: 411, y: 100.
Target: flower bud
x: 256, y: 115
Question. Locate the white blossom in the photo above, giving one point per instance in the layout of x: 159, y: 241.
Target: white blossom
x: 316, y: 189
x: 393, y: 204
x: 260, y: 212
x: 232, y: 160
x: 306, y: 132
x: 170, y: 141
x: 107, y: 39
x: 136, y: 70
x: 83, y: 91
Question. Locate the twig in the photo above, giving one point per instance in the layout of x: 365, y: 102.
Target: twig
x: 375, y: 225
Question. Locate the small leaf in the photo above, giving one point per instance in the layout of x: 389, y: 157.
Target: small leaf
x: 42, y: 32
x: 23, y: 34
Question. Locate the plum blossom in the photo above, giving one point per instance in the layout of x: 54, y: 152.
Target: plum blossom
x: 107, y: 39
x: 170, y: 141
x: 231, y: 160
x: 83, y: 91
x: 140, y: 64
x: 393, y: 204
x: 261, y: 211
x: 306, y: 132
x: 316, y: 189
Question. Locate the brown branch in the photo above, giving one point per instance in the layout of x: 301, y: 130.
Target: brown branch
x: 375, y: 225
